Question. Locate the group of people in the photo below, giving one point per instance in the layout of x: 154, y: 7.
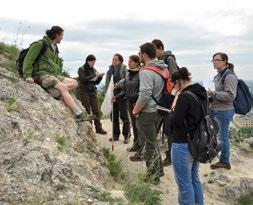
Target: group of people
x: 135, y: 94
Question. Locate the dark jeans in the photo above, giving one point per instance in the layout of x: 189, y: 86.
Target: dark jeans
x: 148, y: 124
x: 120, y: 109
x: 90, y: 102
x: 133, y: 122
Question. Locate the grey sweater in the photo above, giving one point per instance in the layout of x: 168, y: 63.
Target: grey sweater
x: 225, y: 93
x: 151, y: 83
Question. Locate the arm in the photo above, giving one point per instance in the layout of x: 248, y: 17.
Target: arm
x: 145, y: 90
x: 30, y: 58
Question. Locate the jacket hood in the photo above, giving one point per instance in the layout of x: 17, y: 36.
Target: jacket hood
x: 198, y: 90
x: 158, y: 63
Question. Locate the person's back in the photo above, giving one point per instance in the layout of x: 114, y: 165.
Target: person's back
x: 187, y: 109
x: 151, y: 86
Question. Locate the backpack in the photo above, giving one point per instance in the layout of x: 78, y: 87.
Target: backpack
x: 166, y: 100
x: 169, y: 59
x: 23, y: 53
x: 203, y: 145
x: 243, y: 100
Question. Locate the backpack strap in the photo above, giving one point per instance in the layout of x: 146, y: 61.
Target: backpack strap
x: 42, y: 51
x: 198, y: 101
x: 165, y: 76
x: 225, y: 74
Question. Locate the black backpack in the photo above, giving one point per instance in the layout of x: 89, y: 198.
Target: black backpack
x: 23, y: 53
x: 203, y: 145
x: 243, y: 100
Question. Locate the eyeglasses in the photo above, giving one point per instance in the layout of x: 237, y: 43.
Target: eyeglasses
x: 216, y: 60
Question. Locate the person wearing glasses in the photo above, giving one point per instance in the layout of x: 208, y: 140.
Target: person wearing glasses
x: 222, y: 104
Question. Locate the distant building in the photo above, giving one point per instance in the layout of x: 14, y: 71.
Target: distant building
x: 244, y: 121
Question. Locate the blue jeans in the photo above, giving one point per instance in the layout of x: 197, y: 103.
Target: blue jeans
x: 224, y: 118
x: 186, y: 175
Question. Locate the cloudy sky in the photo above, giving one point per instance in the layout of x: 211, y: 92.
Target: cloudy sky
x: 193, y: 30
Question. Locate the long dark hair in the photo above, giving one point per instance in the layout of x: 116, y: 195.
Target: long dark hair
x: 181, y: 74
x: 55, y: 30
x: 90, y: 57
x: 224, y: 57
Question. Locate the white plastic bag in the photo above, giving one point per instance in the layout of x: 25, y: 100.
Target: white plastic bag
x: 106, y: 107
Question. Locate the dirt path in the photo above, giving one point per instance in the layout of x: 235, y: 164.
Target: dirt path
x: 168, y: 187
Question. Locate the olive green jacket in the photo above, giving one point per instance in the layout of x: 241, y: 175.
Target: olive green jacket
x: 49, y: 63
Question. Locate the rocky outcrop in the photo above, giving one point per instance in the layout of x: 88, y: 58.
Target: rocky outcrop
x: 45, y: 156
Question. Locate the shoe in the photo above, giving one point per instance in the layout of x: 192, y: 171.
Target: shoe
x: 167, y: 161
x: 132, y: 149
x: 110, y: 139
x: 135, y: 158
x: 102, y: 132
x: 221, y: 165
x: 126, y: 140
x: 82, y: 117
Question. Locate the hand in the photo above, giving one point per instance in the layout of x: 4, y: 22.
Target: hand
x: 101, y: 74
x: 113, y: 99
x: 210, y: 92
x: 29, y: 80
x: 136, y: 115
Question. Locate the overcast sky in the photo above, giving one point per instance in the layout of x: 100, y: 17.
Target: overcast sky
x: 193, y: 30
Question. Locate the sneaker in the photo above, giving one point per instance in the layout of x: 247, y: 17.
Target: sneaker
x: 135, y: 158
x: 82, y: 117
x: 221, y: 165
x: 102, y: 132
x: 167, y: 161
x: 110, y: 139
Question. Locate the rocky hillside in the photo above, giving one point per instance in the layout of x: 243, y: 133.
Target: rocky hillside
x: 45, y: 156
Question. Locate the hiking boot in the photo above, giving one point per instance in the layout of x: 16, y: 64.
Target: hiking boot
x: 132, y: 149
x: 221, y: 165
x: 82, y: 117
x: 101, y: 131
x: 110, y: 139
x: 135, y: 158
x: 167, y: 161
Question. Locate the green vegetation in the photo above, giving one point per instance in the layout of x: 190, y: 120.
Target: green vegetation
x: 115, y: 166
x: 105, y: 196
x: 10, y: 53
x: 61, y: 140
x: 246, y: 200
x: 142, y: 193
x: 11, y: 105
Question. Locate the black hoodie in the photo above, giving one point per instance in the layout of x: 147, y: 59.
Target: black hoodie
x: 187, y: 108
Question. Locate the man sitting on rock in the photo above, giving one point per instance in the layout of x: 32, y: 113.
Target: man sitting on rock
x: 47, y: 71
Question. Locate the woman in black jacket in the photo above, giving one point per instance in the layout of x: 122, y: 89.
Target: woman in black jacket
x: 89, y: 77
x: 186, y: 109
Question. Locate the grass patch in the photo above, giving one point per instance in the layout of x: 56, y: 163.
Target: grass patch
x: 142, y: 193
x: 11, y: 105
x: 11, y: 54
x: 105, y: 196
x: 61, y: 140
x: 115, y: 166
x: 246, y: 200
